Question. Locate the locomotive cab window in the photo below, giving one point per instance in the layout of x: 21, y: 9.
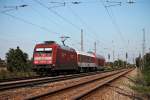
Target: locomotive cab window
x: 43, y: 51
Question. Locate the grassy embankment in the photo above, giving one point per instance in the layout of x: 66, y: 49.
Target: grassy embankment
x: 142, y: 83
x: 4, y: 75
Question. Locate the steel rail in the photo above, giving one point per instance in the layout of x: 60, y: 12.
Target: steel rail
x: 100, y: 85
x: 81, y: 95
x: 37, y: 81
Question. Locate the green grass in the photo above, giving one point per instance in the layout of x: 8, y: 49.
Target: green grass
x: 142, y: 89
x: 142, y: 83
x: 146, y: 75
x: 4, y: 74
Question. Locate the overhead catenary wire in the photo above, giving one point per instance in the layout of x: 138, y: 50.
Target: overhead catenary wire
x: 84, y: 24
x: 54, y: 12
x: 7, y: 10
x: 48, y: 29
x: 80, y: 19
x: 89, y: 28
x: 10, y: 8
x: 113, y: 20
x: 64, y: 3
x: 57, y: 14
x: 28, y: 22
x: 43, y: 17
x: 94, y: 36
x: 119, y: 31
x: 50, y: 20
x: 66, y: 20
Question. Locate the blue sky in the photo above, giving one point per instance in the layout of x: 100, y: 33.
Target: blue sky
x: 124, y: 27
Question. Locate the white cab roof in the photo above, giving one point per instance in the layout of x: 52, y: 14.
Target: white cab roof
x: 84, y: 53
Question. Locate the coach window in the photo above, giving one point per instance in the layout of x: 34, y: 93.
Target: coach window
x: 79, y: 59
x: 90, y: 60
x: 82, y: 58
x: 87, y: 58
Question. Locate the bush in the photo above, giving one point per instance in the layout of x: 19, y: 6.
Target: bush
x: 17, y: 61
x: 146, y: 76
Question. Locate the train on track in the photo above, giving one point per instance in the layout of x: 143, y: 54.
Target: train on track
x: 50, y: 57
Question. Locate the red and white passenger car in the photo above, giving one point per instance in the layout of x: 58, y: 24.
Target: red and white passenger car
x: 90, y: 61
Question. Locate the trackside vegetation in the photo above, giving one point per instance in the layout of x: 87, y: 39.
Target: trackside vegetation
x: 142, y: 81
x: 17, y: 63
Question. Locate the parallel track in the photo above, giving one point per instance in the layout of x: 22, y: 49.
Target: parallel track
x: 19, y: 78
x: 79, y: 90
x: 37, y: 81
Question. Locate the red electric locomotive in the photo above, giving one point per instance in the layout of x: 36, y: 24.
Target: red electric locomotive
x: 50, y: 57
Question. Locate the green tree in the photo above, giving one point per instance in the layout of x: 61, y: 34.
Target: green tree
x: 138, y: 61
x: 119, y: 63
x: 147, y: 60
x: 17, y: 60
x: 146, y: 70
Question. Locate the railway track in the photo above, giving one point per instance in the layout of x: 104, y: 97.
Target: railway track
x: 41, y: 80
x: 80, y: 89
x: 19, y: 78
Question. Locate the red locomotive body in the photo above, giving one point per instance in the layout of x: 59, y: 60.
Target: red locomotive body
x: 50, y: 56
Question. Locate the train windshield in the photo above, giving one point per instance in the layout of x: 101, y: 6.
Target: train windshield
x: 43, y: 51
